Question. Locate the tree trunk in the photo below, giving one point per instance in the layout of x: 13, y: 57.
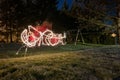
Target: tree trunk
x: 10, y: 32
x: 7, y: 34
x: 11, y: 40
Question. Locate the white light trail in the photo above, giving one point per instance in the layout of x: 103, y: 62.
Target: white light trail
x: 47, y: 37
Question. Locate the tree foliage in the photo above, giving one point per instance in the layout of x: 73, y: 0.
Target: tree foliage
x: 17, y: 14
x: 95, y: 15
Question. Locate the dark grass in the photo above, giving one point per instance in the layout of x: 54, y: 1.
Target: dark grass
x: 68, y: 62
x: 9, y: 50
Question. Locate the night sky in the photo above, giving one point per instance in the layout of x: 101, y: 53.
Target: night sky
x: 70, y: 2
x: 61, y: 2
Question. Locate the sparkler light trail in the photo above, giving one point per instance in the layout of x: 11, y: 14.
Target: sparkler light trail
x: 32, y: 37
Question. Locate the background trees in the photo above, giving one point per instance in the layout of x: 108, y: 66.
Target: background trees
x: 94, y: 18
x: 17, y: 14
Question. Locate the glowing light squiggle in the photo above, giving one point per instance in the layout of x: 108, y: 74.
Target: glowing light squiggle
x: 32, y: 37
x: 47, y: 37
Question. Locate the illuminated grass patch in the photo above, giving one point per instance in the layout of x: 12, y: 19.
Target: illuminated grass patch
x: 98, y: 63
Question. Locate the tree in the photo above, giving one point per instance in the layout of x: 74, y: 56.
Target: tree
x: 16, y: 14
x: 92, y: 15
x: 9, y: 11
x: 118, y: 19
x: 114, y: 16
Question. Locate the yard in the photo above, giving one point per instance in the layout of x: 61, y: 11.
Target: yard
x: 68, y: 62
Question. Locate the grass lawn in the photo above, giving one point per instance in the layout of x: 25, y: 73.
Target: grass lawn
x: 69, y: 62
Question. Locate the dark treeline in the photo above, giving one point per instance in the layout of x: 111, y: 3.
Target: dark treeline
x: 90, y: 17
